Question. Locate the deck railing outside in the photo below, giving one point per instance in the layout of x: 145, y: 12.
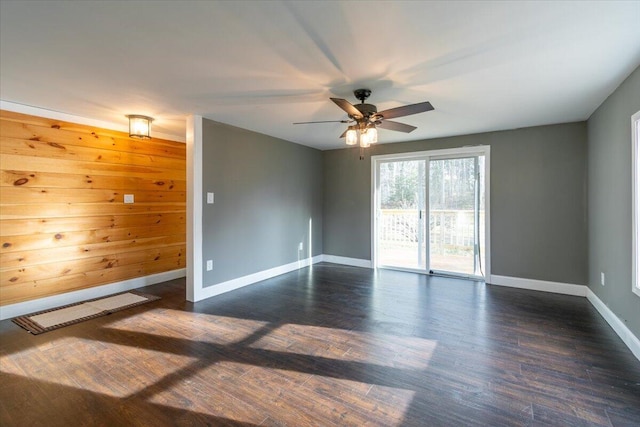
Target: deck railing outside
x: 450, y: 231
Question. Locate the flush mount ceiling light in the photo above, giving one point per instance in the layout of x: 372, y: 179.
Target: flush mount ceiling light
x: 364, y: 119
x: 139, y: 126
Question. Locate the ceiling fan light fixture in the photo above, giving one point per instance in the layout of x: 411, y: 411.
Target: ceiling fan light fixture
x: 365, y: 118
x: 139, y: 126
x: 351, y: 136
x: 365, y: 139
x: 372, y: 134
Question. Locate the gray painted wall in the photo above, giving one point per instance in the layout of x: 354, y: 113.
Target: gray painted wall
x: 609, y: 183
x: 266, y: 191
x: 538, y: 200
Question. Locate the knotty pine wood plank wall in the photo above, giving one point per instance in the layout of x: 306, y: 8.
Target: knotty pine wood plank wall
x: 63, y: 222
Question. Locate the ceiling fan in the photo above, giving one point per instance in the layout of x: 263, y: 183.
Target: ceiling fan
x: 365, y: 118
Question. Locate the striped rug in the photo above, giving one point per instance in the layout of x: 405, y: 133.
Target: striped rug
x: 49, y: 320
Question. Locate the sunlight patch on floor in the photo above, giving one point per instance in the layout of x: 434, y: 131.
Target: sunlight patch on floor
x: 403, y: 352
x: 199, y: 394
x: 107, y: 371
x: 192, y: 326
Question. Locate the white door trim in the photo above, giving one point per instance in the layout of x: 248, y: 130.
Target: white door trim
x: 483, y: 150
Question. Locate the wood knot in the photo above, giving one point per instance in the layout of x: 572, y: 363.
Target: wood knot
x: 157, y: 258
x: 13, y: 279
x: 58, y: 236
x: 56, y: 145
x: 55, y: 126
x: 35, y: 138
x: 21, y: 181
x: 160, y: 183
x: 6, y: 245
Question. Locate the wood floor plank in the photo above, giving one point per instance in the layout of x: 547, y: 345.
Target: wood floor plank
x: 331, y: 346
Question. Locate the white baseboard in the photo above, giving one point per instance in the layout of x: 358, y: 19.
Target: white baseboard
x: 539, y: 285
x: 250, y: 279
x: 240, y: 282
x: 47, y: 303
x: 616, y: 324
x: 354, y: 262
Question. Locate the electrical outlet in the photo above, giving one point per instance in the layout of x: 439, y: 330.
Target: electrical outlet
x: 128, y: 198
x: 209, y: 265
x: 300, y: 247
x: 602, y: 278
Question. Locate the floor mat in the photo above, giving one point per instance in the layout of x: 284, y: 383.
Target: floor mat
x: 49, y: 320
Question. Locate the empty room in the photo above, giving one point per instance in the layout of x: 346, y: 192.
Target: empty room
x: 319, y: 213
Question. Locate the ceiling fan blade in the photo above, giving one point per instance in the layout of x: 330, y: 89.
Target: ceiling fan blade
x: 323, y: 121
x: 406, y: 110
x: 400, y: 127
x: 346, y: 106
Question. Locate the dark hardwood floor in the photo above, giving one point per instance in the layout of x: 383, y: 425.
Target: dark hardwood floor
x: 328, y: 345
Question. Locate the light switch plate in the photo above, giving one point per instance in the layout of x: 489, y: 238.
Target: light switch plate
x: 210, y: 198
x: 128, y: 198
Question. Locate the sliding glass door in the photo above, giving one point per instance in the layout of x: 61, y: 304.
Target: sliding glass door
x: 430, y: 212
x: 456, y: 215
x: 402, y: 214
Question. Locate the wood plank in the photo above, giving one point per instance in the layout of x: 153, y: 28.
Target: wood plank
x: 44, y: 256
x: 16, y: 162
x: 172, y: 354
x: 15, y: 293
x: 56, y: 150
x: 61, y: 239
x: 56, y: 210
x: 21, y: 227
x: 61, y: 270
x: 30, y: 178
x: 38, y: 195
x: 61, y: 203
x: 15, y: 125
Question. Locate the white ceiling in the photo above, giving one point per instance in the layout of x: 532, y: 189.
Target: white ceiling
x: 263, y: 65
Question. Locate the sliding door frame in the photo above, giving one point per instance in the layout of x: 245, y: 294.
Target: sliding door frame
x: 479, y: 150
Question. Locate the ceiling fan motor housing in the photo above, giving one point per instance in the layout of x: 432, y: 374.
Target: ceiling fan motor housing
x: 367, y: 110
